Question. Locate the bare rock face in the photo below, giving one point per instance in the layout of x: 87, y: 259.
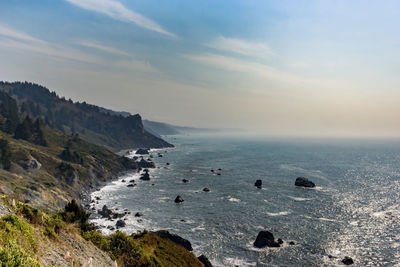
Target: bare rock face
x: 304, y: 182
x: 32, y: 165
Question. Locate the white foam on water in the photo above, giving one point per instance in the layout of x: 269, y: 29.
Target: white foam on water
x: 232, y: 199
x: 237, y: 262
x: 282, y: 213
x: 300, y: 198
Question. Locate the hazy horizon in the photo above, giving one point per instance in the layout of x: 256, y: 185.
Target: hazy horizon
x: 277, y: 68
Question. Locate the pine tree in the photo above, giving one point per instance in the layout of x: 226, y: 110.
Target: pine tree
x: 5, y: 154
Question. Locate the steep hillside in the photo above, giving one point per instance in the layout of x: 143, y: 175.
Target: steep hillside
x: 93, y: 123
x: 31, y: 237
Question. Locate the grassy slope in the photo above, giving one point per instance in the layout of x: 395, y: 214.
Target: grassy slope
x: 30, y: 237
x: 50, y: 186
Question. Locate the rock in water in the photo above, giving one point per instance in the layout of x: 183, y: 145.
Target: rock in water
x: 206, y: 189
x: 142, y: 151
x: 185, y: 181
x: 175, y: 238
x: 203, y: 259
x: 179, y: 199
x: 138, y: 214
x: 347, y: 261
x: 145, y: 176
x: 304, y: 182
x: 265, y: 239
x: 258, y: 184
x: 120, y: 223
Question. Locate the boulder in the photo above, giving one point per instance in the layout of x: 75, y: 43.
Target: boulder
x: 280, y: 241
x: 265, y: 239
x: 206, y: 189
x: 304, y: 182
x: 138, y: 214
x: 142, y: 151
x: 258, y: 184
x: 179, y: 199
x: 203, y: 259
x: 347, y: 261
x: 218, y: 174
x: 185, y: 181
x: 130, y: 185
x: 105, y: 212
x: 175, y: 238
x: 291, y: 243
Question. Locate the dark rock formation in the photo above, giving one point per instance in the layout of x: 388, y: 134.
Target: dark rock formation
x: 146, y: 164
x: 280, y: 241
x: 130, y: 185
x: 142, y: 151
x: 206, y: 189
x: 138, y: 214
x: 265, y: 239
x: 291, y: 243
x: 179, y: 199
x: 185, y: 180
x: 175, y: 238
x: 218, y: 174
x: 258, y: 184
x: 203, y: 259
x: 105, y: 212
x: 347, y: 261
x: 145, y: 176
x: 304, y: 182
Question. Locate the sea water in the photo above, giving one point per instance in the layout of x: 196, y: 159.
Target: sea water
x: 353, y: 211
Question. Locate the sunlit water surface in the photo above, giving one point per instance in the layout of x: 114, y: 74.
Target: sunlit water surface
x: 354, y: 211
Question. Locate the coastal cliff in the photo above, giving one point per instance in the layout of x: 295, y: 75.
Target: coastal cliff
x: 53, y: 151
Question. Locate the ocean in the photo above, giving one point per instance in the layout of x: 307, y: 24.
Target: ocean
x: 353, y: 211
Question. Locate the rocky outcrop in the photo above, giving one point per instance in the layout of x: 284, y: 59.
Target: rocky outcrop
x: 203, y: 259
x: 178, y: 199
x: 304, y: 182
x: 265, y: 239
x: 142, y: 151
x: 32, y: 165
x: 206, y: 189
x: 175, y: 238
x: 120, y: 224
x: 105, y: 212
x: 258, y: 184
x: 347, y: 261
x: 145, y: 176
x: 146, y: 164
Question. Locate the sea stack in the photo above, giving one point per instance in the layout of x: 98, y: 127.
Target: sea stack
x: 258, y: 184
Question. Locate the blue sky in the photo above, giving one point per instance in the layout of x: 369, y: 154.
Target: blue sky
x: 274, y: 67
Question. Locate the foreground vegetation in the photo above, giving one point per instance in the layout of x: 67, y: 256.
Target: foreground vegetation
x: 27, y: 231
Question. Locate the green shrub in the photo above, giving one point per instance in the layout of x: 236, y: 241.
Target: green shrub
x: 98, y: 239
x: 74, y: 213
x: 13, y: 255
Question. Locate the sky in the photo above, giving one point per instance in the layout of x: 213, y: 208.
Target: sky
x: 287, y: 68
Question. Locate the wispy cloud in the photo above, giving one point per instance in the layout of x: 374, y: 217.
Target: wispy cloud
x: 104, y: 48
x: 261, y: 70
x: 241, y: 47
x: 12, y: 39
x: 116, y: 10
x: 16, y: 35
